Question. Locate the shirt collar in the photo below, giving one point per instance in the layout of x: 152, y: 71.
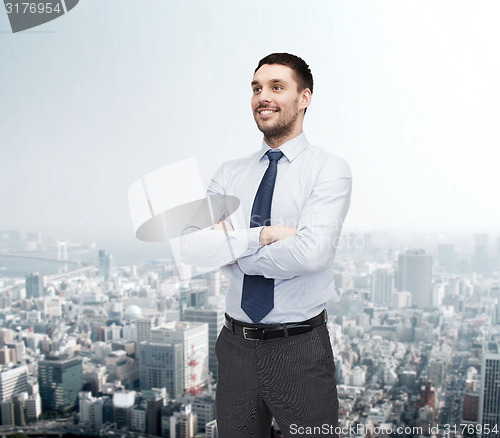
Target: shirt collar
x: 290, y: 149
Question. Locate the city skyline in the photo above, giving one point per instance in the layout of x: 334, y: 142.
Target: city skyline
x: 402, y: 92
x: 403, y: 361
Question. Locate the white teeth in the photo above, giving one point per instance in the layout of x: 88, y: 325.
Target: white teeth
x: 267, y: 112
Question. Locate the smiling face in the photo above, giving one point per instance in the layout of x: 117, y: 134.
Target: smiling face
x: 277, y: 104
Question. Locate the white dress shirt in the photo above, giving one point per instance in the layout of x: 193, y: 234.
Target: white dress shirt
x: 312, y: 193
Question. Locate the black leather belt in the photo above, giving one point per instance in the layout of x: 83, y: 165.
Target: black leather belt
x: 257, y: 332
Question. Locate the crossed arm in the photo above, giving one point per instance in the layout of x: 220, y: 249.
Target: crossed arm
x: 267, y: 235
x: 312, y: 247
x: 285, y: 252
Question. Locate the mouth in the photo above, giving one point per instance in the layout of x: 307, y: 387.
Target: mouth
x: 266, y: 113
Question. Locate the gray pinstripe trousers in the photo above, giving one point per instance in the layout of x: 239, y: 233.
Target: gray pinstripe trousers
x: 291, y: 379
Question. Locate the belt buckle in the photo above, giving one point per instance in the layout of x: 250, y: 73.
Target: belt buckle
x: 245, y: 332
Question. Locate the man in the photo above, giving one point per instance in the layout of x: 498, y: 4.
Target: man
x: 274, y: 353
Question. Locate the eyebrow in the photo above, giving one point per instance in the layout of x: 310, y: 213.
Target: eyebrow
x: 272, y: 80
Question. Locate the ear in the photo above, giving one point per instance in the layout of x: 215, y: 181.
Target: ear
x: 305, y: 98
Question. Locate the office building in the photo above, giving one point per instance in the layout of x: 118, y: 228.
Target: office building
x: 197, y: 298
x: 184, y: 422
x: 33, y: 407
x: 193, y: 337
x: 446, y: 257
x: 145, y: 324
x: 60, y: 379
x: 123, y: 402
x: 138, y: 418
x: 480, y: 258
x: 489, y: 402
x: 382, y: 287
x: 7, y: 413
x: 414, y: 275
x: 215, y: 320
x: 153, y: 415
x: 437, y: 372
x: 161, y: 366
x: 211, y: 429
x: 13, y: 381
x: 204, y: 407
x: 34, y: 285
x: 104, y: 264
x: 91, y: 410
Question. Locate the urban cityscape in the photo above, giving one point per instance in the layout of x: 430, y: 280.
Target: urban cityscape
x: 89, y: 347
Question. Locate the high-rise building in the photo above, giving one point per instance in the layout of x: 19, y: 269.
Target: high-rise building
x: 153, y: 415
x: 215, y: 320
x: 197, y: 298
x: 33, y: 407
x: 60, y: 379
x: 401, y: 300
x: 185, y: 422
x: 211, y: 429
x: 104, y: 264
x: 138, y: 418
x: 382, y: 287
x: 34, y: 285
x: 91, y: 409
x: 167, y: 426
x: 13, y: 381
x: 145, y: 324
x: 480, y: 261
x: 414, y: 275
x: 123, y: 402
x: 193, y: 336
x: 204, y: 407
x: 437, y: 372
x: 161, y: 366
x: 489, y: 402
x: 446, y: 257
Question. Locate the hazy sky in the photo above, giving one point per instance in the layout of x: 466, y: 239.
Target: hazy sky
x: 408, y: 92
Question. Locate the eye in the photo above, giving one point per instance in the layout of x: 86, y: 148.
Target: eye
x: 277, y: 87
x: 256, y: 89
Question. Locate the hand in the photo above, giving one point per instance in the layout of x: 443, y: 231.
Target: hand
x: 274, y: 233
x: 220, y: 226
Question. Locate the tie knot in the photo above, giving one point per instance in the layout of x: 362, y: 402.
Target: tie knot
x: 274, y: 155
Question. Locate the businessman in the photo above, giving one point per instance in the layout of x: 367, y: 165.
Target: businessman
x: 274, y: 353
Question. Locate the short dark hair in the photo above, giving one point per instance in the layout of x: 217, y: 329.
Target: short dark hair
x: 301, y: 70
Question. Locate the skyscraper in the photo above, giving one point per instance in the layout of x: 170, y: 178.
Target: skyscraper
x: 13, y: 381
x: 215, y: 320
x: 34, y: 285
x: 480, y: 262
x: 104, y: 264
x: 382, y: 287
x: 414, y: 275
x: 489, y: 402
x: 161, y: 366
x: 145, y: 324
x: 193, y: 337
x: 60, y: 379
x: 446, y: 257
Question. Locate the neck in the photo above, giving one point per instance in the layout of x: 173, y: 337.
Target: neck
x: 277, y: 141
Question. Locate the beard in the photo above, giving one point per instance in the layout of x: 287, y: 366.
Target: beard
x: 280, y: 128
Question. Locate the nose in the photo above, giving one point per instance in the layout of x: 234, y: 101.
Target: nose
x: 264, y: 95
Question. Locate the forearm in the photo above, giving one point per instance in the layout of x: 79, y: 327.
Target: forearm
x: 314, y: 245
x: 218, y: 247
x: 293, y: 256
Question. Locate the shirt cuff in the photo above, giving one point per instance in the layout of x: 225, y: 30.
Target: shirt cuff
x: 253, y: 236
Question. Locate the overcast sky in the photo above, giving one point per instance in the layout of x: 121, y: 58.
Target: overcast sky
x: 408, y: 92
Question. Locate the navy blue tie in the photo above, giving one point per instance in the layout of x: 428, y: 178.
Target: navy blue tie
x: 257, y: 299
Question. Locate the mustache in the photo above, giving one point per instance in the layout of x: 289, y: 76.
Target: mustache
x: 277, y: 108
